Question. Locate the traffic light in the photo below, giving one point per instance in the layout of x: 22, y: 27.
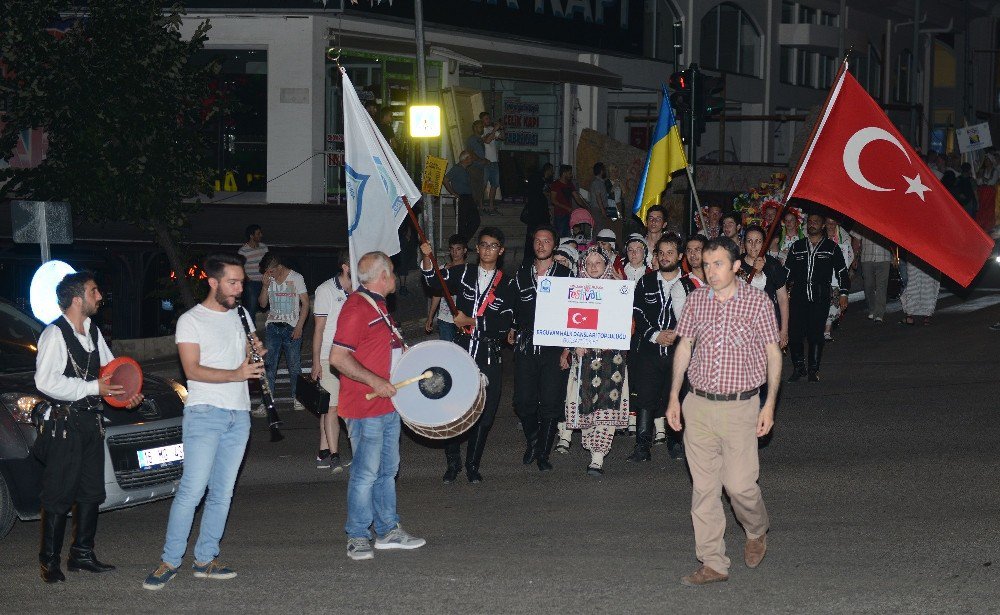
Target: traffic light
x: 709, y: 100
x: 680, y: 86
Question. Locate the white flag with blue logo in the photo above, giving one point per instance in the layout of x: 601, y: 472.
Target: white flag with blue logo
x: 376, y: 182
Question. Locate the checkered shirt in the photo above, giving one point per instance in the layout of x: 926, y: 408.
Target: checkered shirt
x: 729, y: 338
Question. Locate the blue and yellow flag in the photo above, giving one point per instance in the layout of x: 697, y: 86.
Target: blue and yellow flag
x: 666, y: 156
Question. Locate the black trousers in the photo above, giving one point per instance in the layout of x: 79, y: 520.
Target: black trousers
x: 540, y: 385
x: 806, y: 322
x: 468, y: 216
x: 476, y: 437
x: 74, y: 464
x: 649, y: 375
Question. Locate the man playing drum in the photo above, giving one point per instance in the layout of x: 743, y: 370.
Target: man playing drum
x: 484, y: 318
x: 364, y: 346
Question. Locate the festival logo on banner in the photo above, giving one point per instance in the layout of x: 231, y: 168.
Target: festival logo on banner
x: 585, y: 293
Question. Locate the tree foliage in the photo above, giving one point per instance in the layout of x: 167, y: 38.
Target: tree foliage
x: 123, y: 105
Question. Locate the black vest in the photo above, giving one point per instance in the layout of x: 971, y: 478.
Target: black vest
x: 77, y: 353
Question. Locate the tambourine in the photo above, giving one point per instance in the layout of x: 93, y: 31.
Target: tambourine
x: 126, y: 373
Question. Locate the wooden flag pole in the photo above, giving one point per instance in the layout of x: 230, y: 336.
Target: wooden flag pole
x: 437, y: 270
x: 697, y: 201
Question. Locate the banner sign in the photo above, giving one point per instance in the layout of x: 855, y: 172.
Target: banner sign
x: 581, y: 312
x: 972, y: 138
x: 434, y: 170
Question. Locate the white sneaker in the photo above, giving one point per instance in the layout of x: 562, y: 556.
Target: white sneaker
x: 260, y: 412
x: 296, y: 405
x: 398, y: 538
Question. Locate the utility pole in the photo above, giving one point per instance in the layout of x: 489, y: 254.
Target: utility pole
x: 914, y: 91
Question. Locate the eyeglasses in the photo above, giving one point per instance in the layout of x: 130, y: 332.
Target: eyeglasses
x: 488, y: 246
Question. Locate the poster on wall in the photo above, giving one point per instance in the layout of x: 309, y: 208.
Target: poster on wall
x: 521, y: 121
x: 973, y: 138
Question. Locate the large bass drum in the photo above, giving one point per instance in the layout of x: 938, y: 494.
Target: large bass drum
x: 450, y: 401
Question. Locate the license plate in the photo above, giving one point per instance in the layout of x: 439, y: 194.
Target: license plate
x: 161, y: 456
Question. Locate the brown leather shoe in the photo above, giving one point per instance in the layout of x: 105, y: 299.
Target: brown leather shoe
x: 754, y: 550
x: 703, y: 576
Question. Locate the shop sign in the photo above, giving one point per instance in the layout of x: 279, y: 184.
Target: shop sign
x: 434, y: 169
x: 521, y: 137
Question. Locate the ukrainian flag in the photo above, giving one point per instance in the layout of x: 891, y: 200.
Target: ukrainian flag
x: 666, y: 157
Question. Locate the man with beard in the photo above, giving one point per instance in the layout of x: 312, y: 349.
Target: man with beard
x: 541, y: 387
x: 692, y: 254
x: 811, y: 264
x: 214, y: 352
x: 71, y: 352
x: 483, y: 320
x: 657, y: 304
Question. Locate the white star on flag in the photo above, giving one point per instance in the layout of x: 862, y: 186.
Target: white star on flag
x: 916, y: 186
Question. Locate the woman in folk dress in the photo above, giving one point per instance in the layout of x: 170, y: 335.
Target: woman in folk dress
x: 597, y: 393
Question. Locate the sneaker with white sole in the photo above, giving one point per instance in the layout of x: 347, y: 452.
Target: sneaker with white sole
x: 159, y: 577
x: 213, y: 570
x: 398, y: 538
x: 323, y: 459
x: 359, y: 548
x: 297, y: 405
x: 260, y: 412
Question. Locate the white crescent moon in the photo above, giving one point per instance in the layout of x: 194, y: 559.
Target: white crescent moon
x: 577, y: 318
x: 852, y: 154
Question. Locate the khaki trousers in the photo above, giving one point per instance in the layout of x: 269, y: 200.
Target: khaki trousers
x: 720, y: 442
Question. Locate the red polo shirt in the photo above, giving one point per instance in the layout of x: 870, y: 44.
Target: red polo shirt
x: 361, y: 330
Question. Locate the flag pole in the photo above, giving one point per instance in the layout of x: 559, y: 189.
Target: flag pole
x: 697, y: 201
x: 798, y: 166
x: 434, y: 263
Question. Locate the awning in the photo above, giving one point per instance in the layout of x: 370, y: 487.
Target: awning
x: 496, y: 64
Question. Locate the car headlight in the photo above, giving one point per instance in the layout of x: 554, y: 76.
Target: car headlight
x: 22, y: 406
x: 180, y: 389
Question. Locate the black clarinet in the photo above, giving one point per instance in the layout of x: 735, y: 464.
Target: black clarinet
x: 273, y: 420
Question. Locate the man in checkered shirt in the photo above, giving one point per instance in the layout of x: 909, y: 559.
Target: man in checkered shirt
x: 728, y: 337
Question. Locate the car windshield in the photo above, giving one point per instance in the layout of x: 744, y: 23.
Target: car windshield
x: 18, y: 339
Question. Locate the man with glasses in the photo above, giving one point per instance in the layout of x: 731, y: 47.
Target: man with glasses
x: 483, y: 320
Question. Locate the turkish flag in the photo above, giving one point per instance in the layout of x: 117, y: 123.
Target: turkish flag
x: 859, y: 165
x: 581, y: 318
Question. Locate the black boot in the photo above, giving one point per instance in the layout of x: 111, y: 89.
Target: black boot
x: 53, y: 529
x: 798, y: 370
x: 546, y: 436
x: 643, y: 436
x: 531, y: 428
x: 453, y: 454
x: 81, y: 552
x: 815, y: 355
x: 474, y: 453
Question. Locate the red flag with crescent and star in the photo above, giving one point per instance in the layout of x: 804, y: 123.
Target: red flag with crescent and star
x: 860, y: 165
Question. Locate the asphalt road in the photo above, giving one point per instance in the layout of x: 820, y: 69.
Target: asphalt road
x: 881, y: 482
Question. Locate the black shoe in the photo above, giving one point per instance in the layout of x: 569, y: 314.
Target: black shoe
x: 544, y: 465
x: 639, y: 455
x: 593, y: 470
x: 51, y: 573
x: 86, y: 561
x: 473, y: 475
x: 450, y: 475
x: 797, y: 374
x: 529, y: 454
x: 53, y: 530
x: 813, y: 376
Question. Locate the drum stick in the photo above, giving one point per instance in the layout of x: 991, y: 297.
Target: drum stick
x: 423, y: 376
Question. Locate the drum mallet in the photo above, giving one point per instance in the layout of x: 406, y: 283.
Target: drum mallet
x: 398, y: 385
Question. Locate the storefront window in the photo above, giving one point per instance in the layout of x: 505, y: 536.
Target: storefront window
x: 386, y: 86
x: 729, y: 41
x: 238, y: 134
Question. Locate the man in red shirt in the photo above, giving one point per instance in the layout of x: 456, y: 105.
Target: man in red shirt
x: 731, y: 330
x: 565, y: 198
x: 364, y: 347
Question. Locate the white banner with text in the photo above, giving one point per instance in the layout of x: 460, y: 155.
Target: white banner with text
x: 581, y: 312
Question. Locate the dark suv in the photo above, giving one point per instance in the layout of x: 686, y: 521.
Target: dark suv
x: 143, y: 452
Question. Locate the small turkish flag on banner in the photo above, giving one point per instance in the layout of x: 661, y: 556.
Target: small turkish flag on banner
x: 581, y: 318
x: 859, y: 165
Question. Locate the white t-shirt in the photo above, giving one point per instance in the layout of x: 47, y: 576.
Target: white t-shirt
x: 253, y: 256
x: 223, y: 345
x: 491, y: 147
x: 330, y: 298
x: 283, y: 299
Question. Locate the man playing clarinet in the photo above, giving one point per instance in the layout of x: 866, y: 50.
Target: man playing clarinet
x: 215, y: 354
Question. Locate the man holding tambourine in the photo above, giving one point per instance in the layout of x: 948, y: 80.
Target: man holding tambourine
x: 71, y: 354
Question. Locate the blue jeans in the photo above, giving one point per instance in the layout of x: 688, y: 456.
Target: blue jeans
x: 371, y: 490
x: 447, y: 331
x: 278, y: 340
x: 251, y: 293
x: 214, y: 442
